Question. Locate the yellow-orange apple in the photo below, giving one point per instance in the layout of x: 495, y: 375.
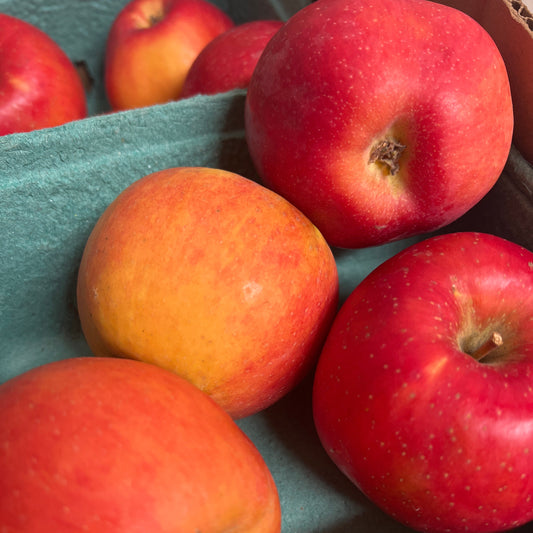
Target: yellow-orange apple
x: 151, y: 46
x: 229, y: 60
x: 212, y: 276
x: 39, y: 85
x: 107, y: 445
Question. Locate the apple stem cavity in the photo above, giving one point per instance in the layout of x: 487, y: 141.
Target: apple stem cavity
x: 494, y: 341
x: 387, y: 152
x: 156, y: 19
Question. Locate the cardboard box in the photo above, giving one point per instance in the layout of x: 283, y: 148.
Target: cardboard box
x: 55, y: 183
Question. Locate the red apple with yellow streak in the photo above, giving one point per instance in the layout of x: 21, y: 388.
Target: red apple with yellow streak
x: 229, y: 60
x: 39, y: 85
x: 151, y: 46
x: 115, y: 446
x: 214, y: 277
x: 379, y: 120
x: 423, y: 394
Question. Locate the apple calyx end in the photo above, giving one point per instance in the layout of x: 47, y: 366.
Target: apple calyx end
x: 387, y: 152
x: 494, y: 341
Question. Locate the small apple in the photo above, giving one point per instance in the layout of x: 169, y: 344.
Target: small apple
x: 423, y: 393
x: 151, y: 46
x: 214, y: 277
x: 380, y: 120
x: 116, y: 446
x: 39, y: 85
x: 228, y: 61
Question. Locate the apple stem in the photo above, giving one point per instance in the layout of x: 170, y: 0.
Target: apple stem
x: 490, y: 344
x: 387, y: 152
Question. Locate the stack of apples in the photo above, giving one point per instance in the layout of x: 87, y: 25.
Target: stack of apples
x: 150, y: 49
x: 163, y: 51
x: 206, y: 296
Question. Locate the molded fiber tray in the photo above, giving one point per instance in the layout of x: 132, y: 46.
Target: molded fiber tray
x: 55, y: 183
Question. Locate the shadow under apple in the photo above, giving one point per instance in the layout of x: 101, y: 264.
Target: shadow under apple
x: 326, y: 499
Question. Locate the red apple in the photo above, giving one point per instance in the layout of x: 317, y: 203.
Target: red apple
x: 39, y: 85
x: 151, y: 46
x: 228, y: 61
x: 510, y: 24
x: 214, y: 277
x: 116, y: 446
x: 379, y: 120
x: 423, y: 394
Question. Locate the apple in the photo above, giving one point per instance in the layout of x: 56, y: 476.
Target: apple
x: 151, y: 46
x: 212, y: 276
x: 510, y: 24
x: 228, y: 61
x: 111, y: 445
x: 379, y: 121
x: 423, y: 393
x: 39, y: 85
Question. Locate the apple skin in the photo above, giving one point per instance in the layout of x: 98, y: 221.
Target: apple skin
x: 338, y: 80
x: 114, y: 446
x: 214, y: 277
x: 228, y: 61
x: 151, y: 46
x: 39, y: 85
x: 439, y: 440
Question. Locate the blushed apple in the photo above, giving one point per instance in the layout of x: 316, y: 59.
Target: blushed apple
x: 228, y: 61
x: 39, y: 85
x: 114, y: 446
x: 151, y: 46
x: 423, y: 393
x: 510, y: 24
x: 379, y: 121
x: 214, y: 277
